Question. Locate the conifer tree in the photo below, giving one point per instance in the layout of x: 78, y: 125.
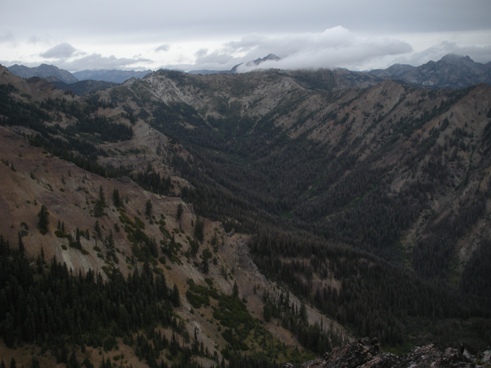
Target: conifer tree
x: 148, y: 209
x: 43, y: 220
x: 116, y: 198
x: 303, y: 313
x: 101, y: 197
x: 175, y: 297
x: 199, y: 230
x: 97, y: 228
x: 8, y: 331
x: 21, y: 244
x: 179, y: 212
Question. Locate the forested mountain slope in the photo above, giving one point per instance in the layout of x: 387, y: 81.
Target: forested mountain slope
x: 380, y: 166
x: 364, y: 204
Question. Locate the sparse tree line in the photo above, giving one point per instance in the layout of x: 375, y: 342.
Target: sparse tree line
x: 315, y: 337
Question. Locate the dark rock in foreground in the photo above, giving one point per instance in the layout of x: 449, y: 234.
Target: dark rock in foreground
x: 366, y: 353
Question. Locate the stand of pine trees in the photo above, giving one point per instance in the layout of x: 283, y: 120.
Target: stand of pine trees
x: 46, y: 304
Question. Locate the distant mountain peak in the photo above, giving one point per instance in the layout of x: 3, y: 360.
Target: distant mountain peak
x: 45, y: 71
x: 53, y: 73
x: 452, y: 70
x: 456, y: 57
x: 258, y: 61
x: 269, y: 57
x: 110, y: 75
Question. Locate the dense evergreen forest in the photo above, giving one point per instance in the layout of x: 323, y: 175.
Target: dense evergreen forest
x: 377, y: 298
x: 65, y: 313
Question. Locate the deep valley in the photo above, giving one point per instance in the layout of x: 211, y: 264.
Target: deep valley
x: 187, y: 220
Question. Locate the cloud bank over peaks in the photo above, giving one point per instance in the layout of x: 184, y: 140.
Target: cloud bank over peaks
x: 162, y: 48
x: 436, y: 52
x: 334, y: 47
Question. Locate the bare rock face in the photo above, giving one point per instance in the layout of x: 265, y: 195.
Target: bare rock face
x: 365, y: 353
x: 362, y: 353
x: 431, y: 356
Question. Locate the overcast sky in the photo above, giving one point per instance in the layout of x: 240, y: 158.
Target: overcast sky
x: 218, y: 34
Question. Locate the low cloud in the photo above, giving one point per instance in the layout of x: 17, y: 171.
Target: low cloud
x: 6, y: 37
x: 60, y: 51
x: 332, y: 48
x: 216, y: 59
x: 162, y: 48
x: 335, y: 47
x: 69, y: 58
x: 97, y: 61
x: 477, y: 53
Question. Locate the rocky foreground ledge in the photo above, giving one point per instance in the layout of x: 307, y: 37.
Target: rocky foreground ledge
x: 366, y: 353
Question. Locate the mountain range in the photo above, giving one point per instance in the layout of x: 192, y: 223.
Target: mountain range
x: 254, y: 219
x: 113, y: 76
x: 451, y: 71
x: 54, y: 74
x: 48, y: 72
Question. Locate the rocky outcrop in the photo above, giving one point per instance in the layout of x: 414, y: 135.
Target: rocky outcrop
x: 366, y: 353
